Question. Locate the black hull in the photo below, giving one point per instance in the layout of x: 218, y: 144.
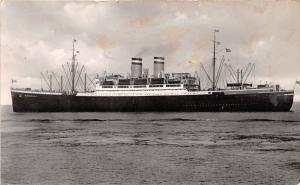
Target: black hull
x: 260, y: 102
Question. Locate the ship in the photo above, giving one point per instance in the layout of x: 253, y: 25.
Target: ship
x: 160, y: 92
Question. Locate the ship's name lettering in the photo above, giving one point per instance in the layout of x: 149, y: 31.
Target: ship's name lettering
x: 29, y: 95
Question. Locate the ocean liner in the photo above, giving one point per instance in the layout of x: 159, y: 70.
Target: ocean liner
x: 139, y: 92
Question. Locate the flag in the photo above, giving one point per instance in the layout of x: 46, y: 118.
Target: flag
x: 228, y: 50
x: 218, y: 43
x: 13, y: 81
x: 74, y: 40
x: 216, y: 30
x: 297, y: 82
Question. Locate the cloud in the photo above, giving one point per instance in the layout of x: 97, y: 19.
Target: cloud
x: 36, y: 36
x: 105, y: 42
x: 179, y: 16
x: 85, y: 14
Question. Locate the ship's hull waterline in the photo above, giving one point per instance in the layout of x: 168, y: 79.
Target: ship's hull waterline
x: 259, y: 102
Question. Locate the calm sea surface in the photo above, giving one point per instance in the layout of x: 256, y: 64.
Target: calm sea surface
x: 150, y: 148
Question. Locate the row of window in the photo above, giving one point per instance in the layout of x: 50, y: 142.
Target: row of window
x: 155, y: 85
x: 217, y: 105
x: 140, y: 86
x: 173, y: 85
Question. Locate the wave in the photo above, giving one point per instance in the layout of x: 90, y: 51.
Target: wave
x: 293, y: 165
x: 271, y: 138
x: 135, y: 143
x: 156, y: 120
x: 264, y: 120
x: 62, y: 120
x: 277, y: 149
x: 97, y: 120
x: 173, y: 119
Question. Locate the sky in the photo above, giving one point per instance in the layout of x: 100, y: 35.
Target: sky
x: 36, y: 36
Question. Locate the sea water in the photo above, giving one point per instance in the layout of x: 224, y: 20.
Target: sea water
x: 150, y: 148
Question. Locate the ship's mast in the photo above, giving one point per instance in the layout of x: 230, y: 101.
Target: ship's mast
x: 73, y: 69
x: 214, y: 62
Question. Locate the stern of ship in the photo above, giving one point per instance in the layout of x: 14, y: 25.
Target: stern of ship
x: 282, y: 100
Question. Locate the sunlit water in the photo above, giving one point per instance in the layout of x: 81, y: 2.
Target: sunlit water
x: 150, y: 148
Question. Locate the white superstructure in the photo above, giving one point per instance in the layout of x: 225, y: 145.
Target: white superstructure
x: 148, y: 90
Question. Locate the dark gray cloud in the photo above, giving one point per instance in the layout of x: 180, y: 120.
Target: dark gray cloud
x: 36, y: 36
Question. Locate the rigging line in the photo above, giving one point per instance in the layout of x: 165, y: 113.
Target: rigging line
x: 247, y: 69
x: 75, y: 85
x: 79, y: 74
x: 63, y: 84
x: 79, y: 88
x: 91, y: 82
x: 207, y: 84
x: 232, y: 70
x: 45, y: 80
x: 219, y: 74
x: 231, y: 74
x: 56, y: 79
x: 225, y: 76
x: 69, y: 67
x: 220, y: 69
x: 89, y: 85
x: 253, y: 75
x: 221, y: 79
x: 224, y: 79
x: 233, y: 80
x: 248, y: 74
x: 66, y: 75
x: 82, y: 83
x: 226, y: 73
x: 41, y: 83
x: 202, y: 67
